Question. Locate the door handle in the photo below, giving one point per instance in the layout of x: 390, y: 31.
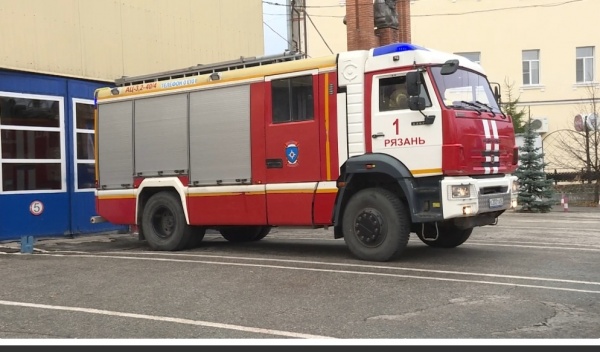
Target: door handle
x: 274, y: 163
x: 428, y: 120
x: 378, y: 134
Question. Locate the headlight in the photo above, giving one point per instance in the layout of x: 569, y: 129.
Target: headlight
x: 461, y: 191
x: 515, y: 187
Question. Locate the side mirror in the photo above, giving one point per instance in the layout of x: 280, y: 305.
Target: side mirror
x: 416, y: 103
x: 497, y: 94
x: 449, y: 67
x: 413, y: 84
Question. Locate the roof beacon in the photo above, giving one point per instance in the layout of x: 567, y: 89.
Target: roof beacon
x: 395, y: 48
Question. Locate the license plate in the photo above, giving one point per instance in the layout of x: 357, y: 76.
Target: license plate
x: 496, y: 202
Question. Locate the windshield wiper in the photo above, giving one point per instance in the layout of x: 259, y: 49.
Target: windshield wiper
x: 467, y: 104
x: 484, y: 105
x: 491, y: 110
x: 489, y: 107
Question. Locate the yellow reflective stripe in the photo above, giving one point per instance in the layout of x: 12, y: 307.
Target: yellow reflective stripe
x: 327, y: 146
x: 426, y: 171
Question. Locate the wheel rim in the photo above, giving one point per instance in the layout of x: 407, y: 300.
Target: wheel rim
x: 369, y: 227
x: 163, y: 222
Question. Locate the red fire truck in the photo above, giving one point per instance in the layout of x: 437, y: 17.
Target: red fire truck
x: 376, y: 143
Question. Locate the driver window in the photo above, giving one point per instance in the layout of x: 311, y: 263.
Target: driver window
x: 392, y: 94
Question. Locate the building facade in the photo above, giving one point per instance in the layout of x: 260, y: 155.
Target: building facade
x: 54, y: 55
x: 326, y: 34
x: 541, y: 52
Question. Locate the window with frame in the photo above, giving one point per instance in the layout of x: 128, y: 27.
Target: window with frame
x: 393, y: 94
x: 85, y: 167
x: 531, y: 67
x: 584, y: 64
x: 31, y: 157
x: 474, y: 56
x: 292, y: 99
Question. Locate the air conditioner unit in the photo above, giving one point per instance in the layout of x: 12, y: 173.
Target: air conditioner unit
x: 540, y: 124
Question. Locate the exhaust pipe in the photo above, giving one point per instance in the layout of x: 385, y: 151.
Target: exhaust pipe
x: 97, y: 219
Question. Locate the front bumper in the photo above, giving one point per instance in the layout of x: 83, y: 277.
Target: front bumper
x: 488, y: 195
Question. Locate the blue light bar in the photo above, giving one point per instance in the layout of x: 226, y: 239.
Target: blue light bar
x: 395, y: 48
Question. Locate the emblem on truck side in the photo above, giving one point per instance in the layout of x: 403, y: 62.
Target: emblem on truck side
x: 291, y: 152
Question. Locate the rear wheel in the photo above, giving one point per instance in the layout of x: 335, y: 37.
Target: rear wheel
x: 244, y: 233
x: 449, y: 236
x: 196, y: 236
x: 262, y: 233
x: 376, y: 225
x: 163, y: 223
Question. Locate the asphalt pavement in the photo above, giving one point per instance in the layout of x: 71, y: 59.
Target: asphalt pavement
x: 532, y: 276
x: 115, y: 240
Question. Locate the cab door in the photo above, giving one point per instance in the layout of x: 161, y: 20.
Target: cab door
x: 402, y: 133
x: 293, y: 158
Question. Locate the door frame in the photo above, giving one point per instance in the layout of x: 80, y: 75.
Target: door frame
x: 431, y: 135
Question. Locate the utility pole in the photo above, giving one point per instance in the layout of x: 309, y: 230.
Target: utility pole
x: 298, y: 26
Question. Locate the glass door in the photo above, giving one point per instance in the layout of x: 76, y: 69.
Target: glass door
x: 33, y: 192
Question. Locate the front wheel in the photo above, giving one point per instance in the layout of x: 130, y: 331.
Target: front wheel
x: 376, y: 225
x: 448, y: 236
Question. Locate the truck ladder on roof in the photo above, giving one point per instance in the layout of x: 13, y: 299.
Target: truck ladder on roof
x: 200, y: 69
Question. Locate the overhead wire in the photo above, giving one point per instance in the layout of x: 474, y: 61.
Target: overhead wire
x: 426, y: 15
x: 435, y: 14
x: 274, y: 31
x: 319, y: 32
x: 282, y: 37
x: 284, y: 14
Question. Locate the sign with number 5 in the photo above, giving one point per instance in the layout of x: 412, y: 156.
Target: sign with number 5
x: 36, y: 207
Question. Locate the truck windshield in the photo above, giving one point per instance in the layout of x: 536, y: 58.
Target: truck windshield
x: 465, y: 90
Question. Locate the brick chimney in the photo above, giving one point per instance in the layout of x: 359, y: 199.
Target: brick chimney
x: 360, y: 25
x: 403, y: 8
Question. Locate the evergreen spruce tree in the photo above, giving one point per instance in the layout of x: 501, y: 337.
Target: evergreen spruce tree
x: 535, y: 190
x: 510, y: 109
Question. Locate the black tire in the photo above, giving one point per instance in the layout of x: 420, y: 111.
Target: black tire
x: 244, y: 233
x: 376, y: 225
x: 262, y: 233
x: 196, y: 236
x: 164, y: 224
x: 449, y: 236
